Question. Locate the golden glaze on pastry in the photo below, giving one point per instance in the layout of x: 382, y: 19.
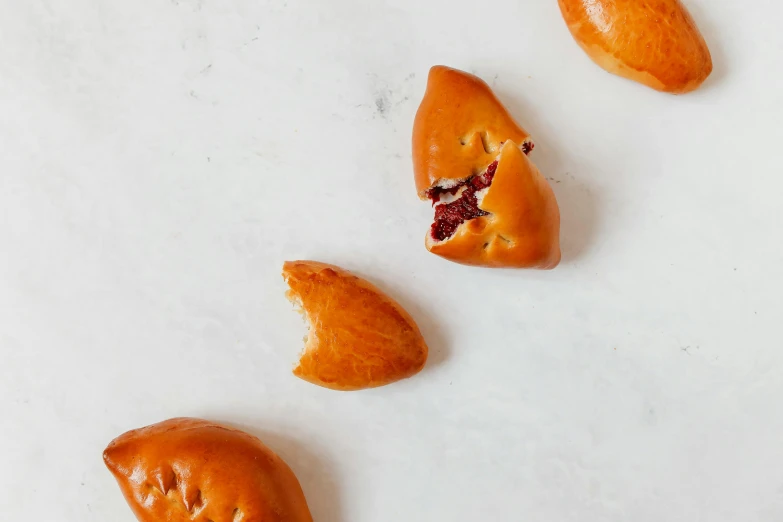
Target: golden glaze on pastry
x: 359, y: 337
x: 654, y: 42
x: 492, y: 206
x: 191, y: 470
x: 522, y: 227
x: 459, y: 128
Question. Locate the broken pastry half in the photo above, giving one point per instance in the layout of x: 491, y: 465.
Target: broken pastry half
x: 493, y: 207
x: 359, y: 337
x: 653, y: 42
x: 191, y: 470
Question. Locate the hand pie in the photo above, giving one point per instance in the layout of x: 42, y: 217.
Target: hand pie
x: 190, y: 470
x: 654, y: 42
x: 359, y: 337
x: 492, y: 206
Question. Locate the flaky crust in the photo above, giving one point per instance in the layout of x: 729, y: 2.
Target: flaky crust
x: 522, y: 229
x: 359, y: 337
x: 654, y: 42
x: 190, y: 470
x: 458, y: 128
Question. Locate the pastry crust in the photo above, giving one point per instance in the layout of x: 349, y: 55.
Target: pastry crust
x: 522, y: 229
x: 359, y: 337
x: 654, y: 42
x: 191, y: 470
x: 460, y: 130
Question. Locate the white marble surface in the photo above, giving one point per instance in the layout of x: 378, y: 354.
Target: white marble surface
x: 159, y: 160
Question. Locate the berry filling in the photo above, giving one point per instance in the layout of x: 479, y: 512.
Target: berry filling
x: 449, y: 216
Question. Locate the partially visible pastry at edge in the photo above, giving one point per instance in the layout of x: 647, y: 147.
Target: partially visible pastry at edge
x: 359, y: 337
x: 654, y: 42
x: 492, y: 206
x: 191, y: 470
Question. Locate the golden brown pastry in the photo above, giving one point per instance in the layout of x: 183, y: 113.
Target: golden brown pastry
x: 492, y: 206
x: 190, y: 470
x: 359, y: 337
x: 654, y: 42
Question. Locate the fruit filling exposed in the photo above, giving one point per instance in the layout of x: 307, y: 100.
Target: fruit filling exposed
x: 449, y: 216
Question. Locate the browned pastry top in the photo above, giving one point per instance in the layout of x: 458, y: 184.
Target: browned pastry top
x: 359, y: 337
x: 190, y: 470
x: 492, y: 206
x: 654, y: 42
x: 522, y: 225
x: 459, y: 128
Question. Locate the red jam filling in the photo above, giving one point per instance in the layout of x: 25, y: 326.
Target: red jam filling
x: 527, y: 147
x: 449, y: 216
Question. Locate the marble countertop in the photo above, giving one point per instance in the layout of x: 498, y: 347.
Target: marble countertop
x: 161, y: 159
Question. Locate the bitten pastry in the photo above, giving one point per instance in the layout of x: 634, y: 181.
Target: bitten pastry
x: 492, y: 206
x: 654, y: 42
x: 359, y: 337
x: 190, y: 470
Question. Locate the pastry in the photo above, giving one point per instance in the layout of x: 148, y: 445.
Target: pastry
x: 492, y: 206
x: 654, y: 42
x: 359, y: 337
x: 191, y: 470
